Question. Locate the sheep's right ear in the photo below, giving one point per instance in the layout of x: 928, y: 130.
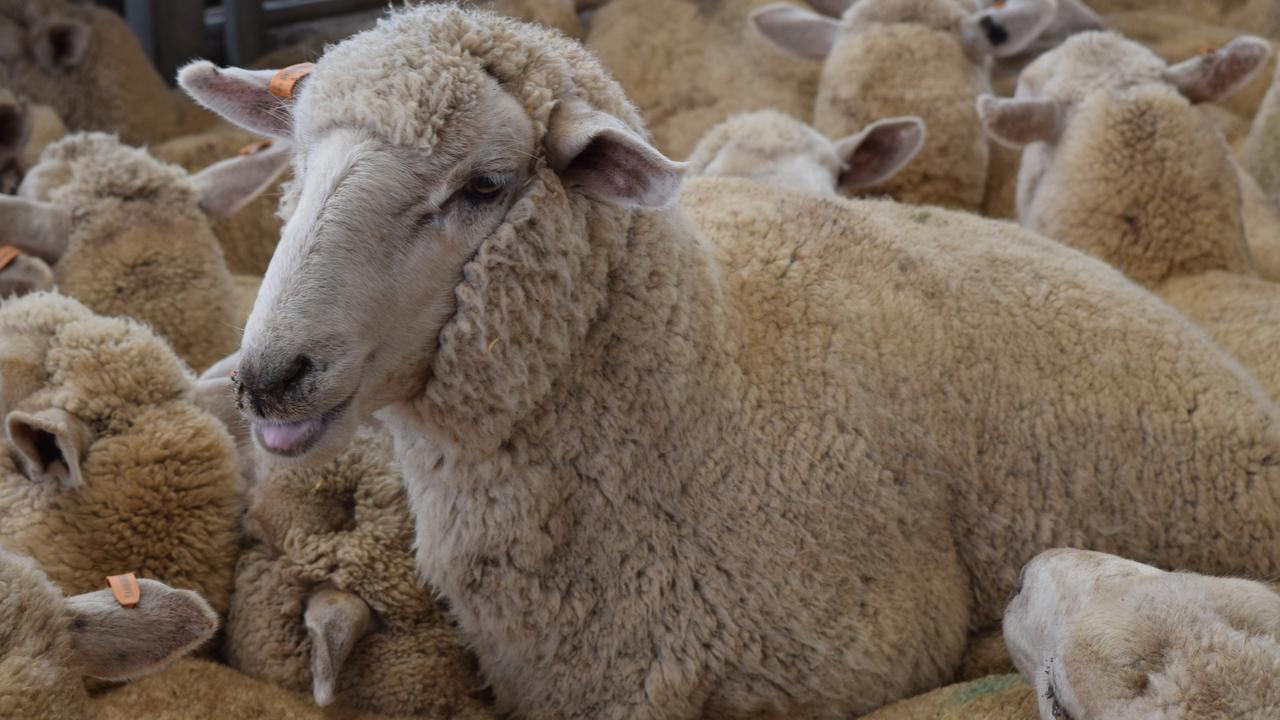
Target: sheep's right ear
x: 52, y: 444
x: 1218, y: 74
x: 595, y: 152
x: 805, y: 34
x: 1018, y: 122
x: 111, y: 642
x: 60, y: 45
x: 878, y: 152
x: 15, y: 128
x: 227, y: 186
x: 37, y: 228
x: 241, y: 96
x: 215, y: 393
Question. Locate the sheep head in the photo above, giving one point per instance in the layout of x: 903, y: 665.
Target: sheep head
x: 1103, y: 637
x: 426, y: 148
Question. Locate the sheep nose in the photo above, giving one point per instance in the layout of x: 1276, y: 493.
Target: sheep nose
x: 270, y: 388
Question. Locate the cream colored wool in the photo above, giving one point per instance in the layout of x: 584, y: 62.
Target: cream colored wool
x: 1261, y: 218
x: 346, y: 526
x: 113, y: 88
x: 1141, y: 180
x: 140, y: 246
x: 691, y: 65
x: 160, y: 492
x: 768, y: 455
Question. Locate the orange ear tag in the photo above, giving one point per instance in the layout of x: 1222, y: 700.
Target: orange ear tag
x: 997, y: 5
x: 125, y: 589
x: 1208, y: 50
x: 255, y: 148
x: 286, y: 80
x: 8, y: 254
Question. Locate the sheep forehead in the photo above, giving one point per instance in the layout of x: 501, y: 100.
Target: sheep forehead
x: 1087, y: 62
x: 945, y: 15
x: 89, y: 165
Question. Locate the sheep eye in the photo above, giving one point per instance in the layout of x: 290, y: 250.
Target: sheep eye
x: 483, y: 187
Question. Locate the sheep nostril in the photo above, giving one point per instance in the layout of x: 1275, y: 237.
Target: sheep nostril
x: 298, y: 370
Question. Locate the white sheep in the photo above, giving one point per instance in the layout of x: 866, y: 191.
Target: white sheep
x: 1119, y: 164
x: 49, y: 643
x: 1104, y: 638
x: 768, y: 146
x: 708, y: 449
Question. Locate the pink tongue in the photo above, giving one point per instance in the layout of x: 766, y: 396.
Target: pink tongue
x: 285, y: 436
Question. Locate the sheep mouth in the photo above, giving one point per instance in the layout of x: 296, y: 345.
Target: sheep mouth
x: 294, y: 439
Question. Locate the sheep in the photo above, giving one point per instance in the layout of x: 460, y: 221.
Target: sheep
x: 109, y: 461
x: 929, y: 58
x: 706, y: 448
x: 692, y: 65
x: 1104, y: 637
x: 129, y: 235
x: 85, y: 63
x: 768, y: 146
x: 48, y: 642
x: 334, y: 550
x: 1118, y: 164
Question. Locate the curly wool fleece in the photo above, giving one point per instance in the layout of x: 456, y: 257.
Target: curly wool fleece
x: 661, y: 475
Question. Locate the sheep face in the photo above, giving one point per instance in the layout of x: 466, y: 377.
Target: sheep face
x: 1103, y: 637
x: 395, y: 195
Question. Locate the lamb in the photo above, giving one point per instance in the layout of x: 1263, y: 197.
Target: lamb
x: 85, y: 63
x: 692, y: 65
x: 1104, y: 637
x: 1118, y: 164
x: 631, y: 423
x: 334, y: 551
x: 129, y: 235
x: 929, y: 58
x: 48, y: 642
x: 768, y: 146
x: 110, y: 462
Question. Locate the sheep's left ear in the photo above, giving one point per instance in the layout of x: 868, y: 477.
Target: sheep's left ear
x: 805, y: 34
x: 60, y: 45
x: 1007, y: 29
x: 243, y: 97
x: 111, y: 642
x: 879, y: 151
x: 594, y: 152
x: 52, y: 443
x: 227, y: 186
x: 1018, y: 122
x: 1218, y: 74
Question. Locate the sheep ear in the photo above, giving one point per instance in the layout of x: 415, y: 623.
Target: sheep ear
x: 37, y: 228
x: 879, y: 151
x: 215, y: 392
x: 15, y: 128
x: 595, y: 152
x: 802, y: 33
x: 26, y: 274
x: 241, y: 96
x: 335, y: 622
x: 52, y: 443
x: 834, y: 8
x: 1219, y: 73
x: 60, y: 45
x: 1007, y: 29
x: 111, y: 642
x: 1017, y: 122
x: 227, y: 186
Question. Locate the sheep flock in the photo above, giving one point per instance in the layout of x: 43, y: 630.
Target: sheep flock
x: 645, y: 359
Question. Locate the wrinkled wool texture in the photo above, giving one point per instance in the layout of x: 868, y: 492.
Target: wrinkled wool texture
x: 201, y: 690
x: 248, y: 238
x: 115, y: 88
x: 35, y: 647
x: 905, y: 57
x: 346, y: 525
x: 767, y: 146
x: 998, y: 697
x: 140, y: 246
x: 659, y: 474
x: 691, y: 64
x: 161, y: 492
x: 1142, y: 181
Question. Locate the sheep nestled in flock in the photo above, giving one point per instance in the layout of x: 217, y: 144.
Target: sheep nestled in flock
x: 1103, y: 638
x: 129, y: 235
x: 49, y: 642
x: 1118, y: 164
x: 768, y: 146
x: 635, y: 424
